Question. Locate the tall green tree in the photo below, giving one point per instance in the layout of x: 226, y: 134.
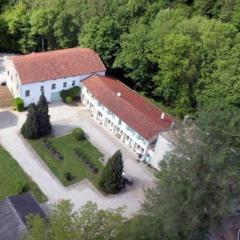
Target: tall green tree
x: 111, y: 176
x: 102, y: 35
x: 198, y: 182
x: 31, y: 126
x: 44, y: 125
x: 89, y: 223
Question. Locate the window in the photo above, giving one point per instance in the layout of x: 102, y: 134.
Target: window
x: 54, y: 86
x: 27, y: 93
x: 42, y: 88
x: 11, y: 78
x: 17, y: 86
x: 73, y: 83
x: 119, y: 122
x: 8, y: 73
x: 65, y: 84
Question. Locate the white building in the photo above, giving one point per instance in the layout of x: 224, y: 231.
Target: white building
x: 131, y: 118
x: 135, y: 121
x: 28, y: 75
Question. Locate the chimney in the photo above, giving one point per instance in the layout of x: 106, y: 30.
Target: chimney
x: 163, y: 116
x: 119, y: 94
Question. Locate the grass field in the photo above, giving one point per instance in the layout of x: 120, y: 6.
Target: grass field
x: 12, y: 178
x: 71, y: 163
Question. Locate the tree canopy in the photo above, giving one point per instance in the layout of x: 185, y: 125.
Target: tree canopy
x: 181, y: 53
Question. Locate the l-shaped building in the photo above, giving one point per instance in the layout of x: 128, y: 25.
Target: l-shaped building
x: 131, y: 118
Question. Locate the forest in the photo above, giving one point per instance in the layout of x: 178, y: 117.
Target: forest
x: 183, y: 54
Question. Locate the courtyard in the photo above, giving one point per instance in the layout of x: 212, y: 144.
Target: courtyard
x: 64, y: 118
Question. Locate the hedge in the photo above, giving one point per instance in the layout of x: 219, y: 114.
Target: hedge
x: 19, y: 104
x: 72, y: 93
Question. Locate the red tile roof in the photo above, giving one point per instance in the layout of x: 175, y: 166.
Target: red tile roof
x: 37, y: 67
x: 133, y: 109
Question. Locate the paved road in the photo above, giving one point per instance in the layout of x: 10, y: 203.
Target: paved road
x: 83, y: 191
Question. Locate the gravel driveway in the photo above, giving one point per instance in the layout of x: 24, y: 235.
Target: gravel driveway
x: 64, y: 118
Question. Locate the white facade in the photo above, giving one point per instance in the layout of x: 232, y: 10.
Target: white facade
x: 163, y: 146
x: 31, y: 92
x: 116, y: 126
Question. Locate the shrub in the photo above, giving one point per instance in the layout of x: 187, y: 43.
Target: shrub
x: 19, y: 104
x: 69, y: 99
x: 24, y: 188
x: 78, y: 134
x: 72, y: 92
x: 69, y: 177
x: 111, y: 176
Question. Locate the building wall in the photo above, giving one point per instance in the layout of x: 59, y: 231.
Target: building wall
x: 12, y: 79
x: 19, y: 90
x: 163, y: 146
x: 113, y: 124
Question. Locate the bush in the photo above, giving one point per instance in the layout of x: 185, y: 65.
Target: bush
x: 19, y: 104
x: 69, y: 99
x: 24, y: 188
x: 111, y: 176
x: 72, y: 92
x: 69, y: 177
x: 78, y: 134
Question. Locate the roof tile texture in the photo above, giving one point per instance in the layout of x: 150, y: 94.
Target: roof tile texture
x: 37, y: 67
x: 137, y: 112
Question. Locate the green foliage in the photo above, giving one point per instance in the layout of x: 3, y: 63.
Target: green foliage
x: 43, y: 117
x: 182, y: 53
x: 73, y: 93
x: 102, y: 35
x: 23, y: 188
x: 68, y: 99
x: 65, y: 224
x: 111, y: 175
x: 19, y: 104
x: 30, y: 128
x: 78, y: 134
x: 198, y: 182
x: 37, y: 123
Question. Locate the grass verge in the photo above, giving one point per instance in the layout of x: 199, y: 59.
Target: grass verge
x: 14, y: 180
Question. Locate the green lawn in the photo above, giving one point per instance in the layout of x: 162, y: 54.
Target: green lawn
x: 71, y: 163
x: 12, y: 178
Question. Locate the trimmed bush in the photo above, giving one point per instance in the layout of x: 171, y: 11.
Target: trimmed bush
x: 69, y: 177
x: 72, y: 92
x: 69, y: 99
x: 78, y: 134
x: 19, y: 104
x: 24, y: 188
x: 111, y: 180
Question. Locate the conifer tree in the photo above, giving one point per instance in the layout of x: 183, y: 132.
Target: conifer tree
x: 31, y: 126
x: 43, y: 117
x: 111, y: 176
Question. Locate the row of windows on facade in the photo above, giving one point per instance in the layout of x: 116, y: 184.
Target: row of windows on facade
x: 127, y: 138
x: 27, y: 92
x: 134, y: 133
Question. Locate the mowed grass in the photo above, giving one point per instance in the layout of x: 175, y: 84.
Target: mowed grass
x: 71, y: 163
x: 12, y: 178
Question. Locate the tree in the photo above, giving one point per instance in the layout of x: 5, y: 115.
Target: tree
x: 31, y: 126
x: 44, y: 125
x: 198, y: 182
x: 102, y: 35
x: 89, y: 223
x: 111, y: 176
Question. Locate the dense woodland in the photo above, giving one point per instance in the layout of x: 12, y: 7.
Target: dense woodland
x: 182, y: 53
x: 185, y: 55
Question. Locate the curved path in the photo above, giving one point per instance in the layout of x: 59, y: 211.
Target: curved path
x: 65, y: 118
